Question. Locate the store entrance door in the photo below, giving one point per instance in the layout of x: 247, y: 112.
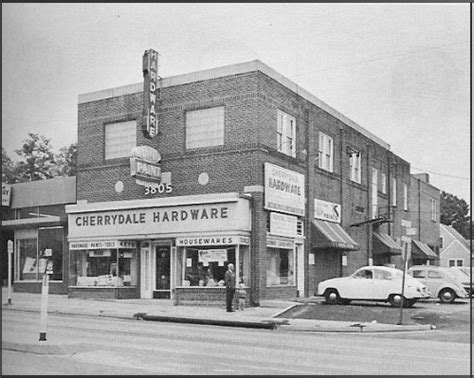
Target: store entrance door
x: 162, y: 272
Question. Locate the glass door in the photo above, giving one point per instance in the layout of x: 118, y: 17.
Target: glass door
x: 162, y: 271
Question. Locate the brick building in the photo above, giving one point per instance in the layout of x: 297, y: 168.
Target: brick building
x: 245, y: 167
x: 424, y: 210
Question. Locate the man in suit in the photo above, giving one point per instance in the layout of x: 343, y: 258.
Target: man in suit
x: 229, y: 278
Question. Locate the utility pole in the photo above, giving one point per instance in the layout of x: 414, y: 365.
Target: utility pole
x: 10, y: 253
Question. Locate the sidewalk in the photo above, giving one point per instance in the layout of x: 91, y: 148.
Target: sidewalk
x: 164, y: 310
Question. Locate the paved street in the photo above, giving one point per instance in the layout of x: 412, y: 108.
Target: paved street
x: 120, y: 346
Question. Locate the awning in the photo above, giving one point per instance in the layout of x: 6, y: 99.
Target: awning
x: 383, y: 244
x: 331, y: 235
x: 421, y: 250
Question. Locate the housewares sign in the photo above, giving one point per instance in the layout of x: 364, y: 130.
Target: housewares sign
x: 150, y: 76
x: 284, y: 190
x: 327, y: 211
x: 164, y: 220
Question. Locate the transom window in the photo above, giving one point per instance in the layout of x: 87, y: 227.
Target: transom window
x: 326, y: 152
x: 205, y: 127
x: 286, y: 133
x: 120, y: 138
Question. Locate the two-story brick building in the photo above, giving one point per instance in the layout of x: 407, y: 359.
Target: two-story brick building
x: 424, y: 210
x: 234, y: 164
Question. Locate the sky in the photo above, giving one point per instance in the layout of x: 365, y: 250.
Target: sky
x: 401, y: 71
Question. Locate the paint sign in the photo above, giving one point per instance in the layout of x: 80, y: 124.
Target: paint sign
x: 150, y: 76
x: 284, y: 190
x: 327, y: 211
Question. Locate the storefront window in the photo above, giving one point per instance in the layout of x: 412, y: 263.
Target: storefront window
x: 104, y: 267
x: 281, y: 269
x: 28, y: 259
x: 52, y: 239
x: 207, y: 267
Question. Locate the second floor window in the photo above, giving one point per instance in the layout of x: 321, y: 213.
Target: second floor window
x: 374, y: 193
x: 405, y: 197
x: 434, y: 213
x: 394, y: 192
x: 383, y: 180
x: 326, y: 151
x: 354, y: 165
x: 205, y: 127
x: 286, y: 133
x: 120, y: 138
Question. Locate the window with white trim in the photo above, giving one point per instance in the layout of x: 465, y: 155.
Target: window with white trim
x: 326, y: 152
x: 383, y: 186
x: 455, y: 262
x: 394, y: 192
x: 205, y: 127
x: 120, y: 138
x: 405, y: 197
x: 354, y: 165
x: 374, y: 193
x: 286, y: 133
x: 434, y: 212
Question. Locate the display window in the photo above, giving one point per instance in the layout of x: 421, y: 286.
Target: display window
x: 206, y: 266
x: 281, y: 268
x: 104, y: 267
x: 31, y: 262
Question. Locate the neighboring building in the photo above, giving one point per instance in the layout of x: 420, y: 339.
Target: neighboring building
x: 35, y: 220
x: 424, y: 210
x: 455, y: 250
x: 246, y: 167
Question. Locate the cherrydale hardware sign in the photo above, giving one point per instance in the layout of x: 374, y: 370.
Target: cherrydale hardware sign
x: 284, y: 190
x: 189, y: 218
x: 150, y: 76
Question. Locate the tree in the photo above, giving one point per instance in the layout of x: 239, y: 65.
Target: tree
x: 8, y: 169
x: 66, y: 161
x: 39, y: 159
x: 455, y: 213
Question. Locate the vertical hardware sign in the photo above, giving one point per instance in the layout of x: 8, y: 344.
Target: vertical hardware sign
x: 150, y: 76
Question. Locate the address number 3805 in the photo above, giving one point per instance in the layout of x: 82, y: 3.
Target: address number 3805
x: 159, y: 188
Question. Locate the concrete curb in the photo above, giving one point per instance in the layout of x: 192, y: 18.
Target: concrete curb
x: 44, y: 348
x: 265, y: 324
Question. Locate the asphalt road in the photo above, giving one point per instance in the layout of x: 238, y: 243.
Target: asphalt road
x: 119, y: 346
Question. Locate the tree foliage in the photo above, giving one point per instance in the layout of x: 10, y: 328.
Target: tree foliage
x: 455, y: 213
x: 39, y: 161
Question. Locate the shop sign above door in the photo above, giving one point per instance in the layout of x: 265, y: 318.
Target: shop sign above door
x: 327, y: 211
x: 150, y: 77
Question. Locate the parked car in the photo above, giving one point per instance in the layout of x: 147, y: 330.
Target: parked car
x: 373, y: 283
x: 463, y: 275
x: 440, y: 282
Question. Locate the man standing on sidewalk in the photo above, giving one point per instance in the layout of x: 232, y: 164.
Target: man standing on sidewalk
x: 229, y: 286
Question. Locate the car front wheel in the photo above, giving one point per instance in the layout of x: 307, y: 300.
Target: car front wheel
x: 395, y: 299
x: 332, y: 296
x: 447, y: 296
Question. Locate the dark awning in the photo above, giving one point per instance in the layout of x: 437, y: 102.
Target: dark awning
x: 331, y: 235
x: 383, y: 244
x: 421, y: 250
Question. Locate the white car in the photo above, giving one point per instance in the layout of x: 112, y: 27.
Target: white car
x: 373, y: 283
x: 440, y: 281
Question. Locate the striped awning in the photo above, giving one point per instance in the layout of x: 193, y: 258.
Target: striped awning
x: 421, y: 250
x: 383, y: 244
x: 331, y: 235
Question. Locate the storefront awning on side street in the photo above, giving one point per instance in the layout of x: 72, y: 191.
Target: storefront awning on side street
x: 332, y: 235
x: 421, y: 250
x: 383, y: 244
